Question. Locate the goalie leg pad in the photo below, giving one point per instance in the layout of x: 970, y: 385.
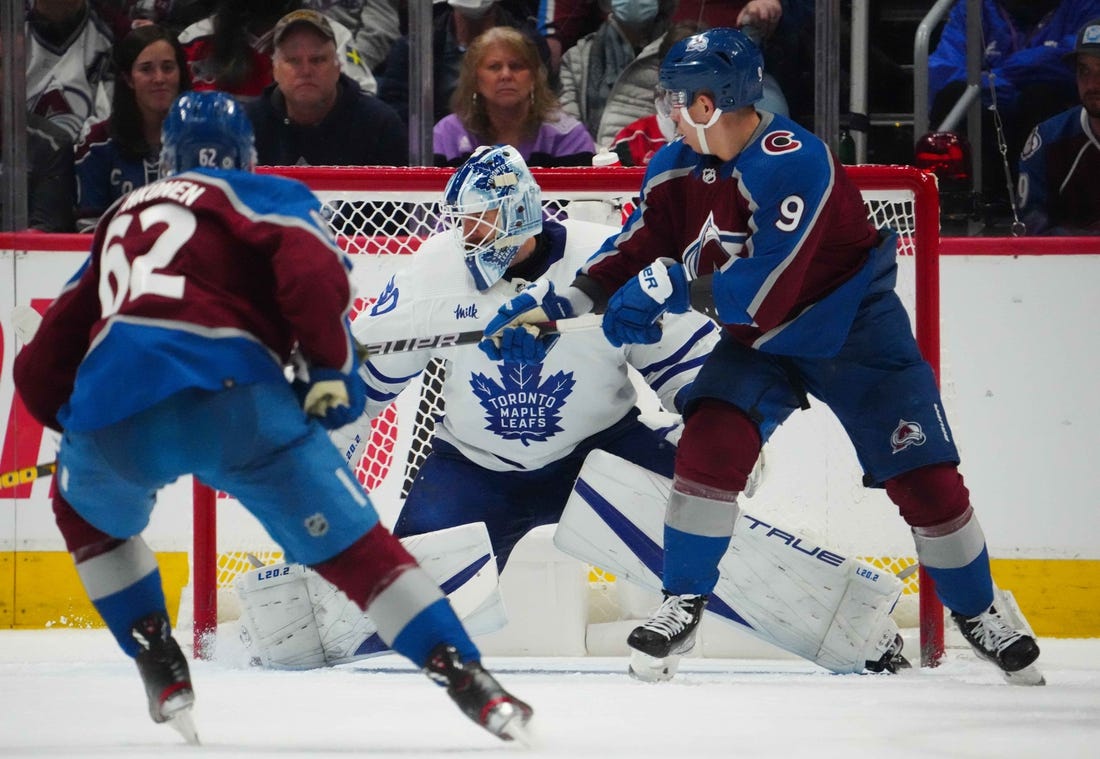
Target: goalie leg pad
x: 774, y: 584
x: 458, y: 559
x: 278, y: 626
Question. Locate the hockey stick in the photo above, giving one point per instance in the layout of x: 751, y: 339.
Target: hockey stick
x: 700, y: 294
x: 472, y: 337
x: 29, y: 474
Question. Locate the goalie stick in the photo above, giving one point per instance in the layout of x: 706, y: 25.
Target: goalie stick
x: 27, y: 474
x: 700, y: 294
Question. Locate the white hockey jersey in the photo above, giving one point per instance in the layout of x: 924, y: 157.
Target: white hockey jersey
x: 504, y: 416
x: 72, y: 82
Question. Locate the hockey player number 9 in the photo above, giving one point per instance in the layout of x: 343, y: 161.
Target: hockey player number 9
x: 141, y: 277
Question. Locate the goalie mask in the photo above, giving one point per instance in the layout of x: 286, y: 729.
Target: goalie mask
x: 206, y: 130
x: 493, y: 205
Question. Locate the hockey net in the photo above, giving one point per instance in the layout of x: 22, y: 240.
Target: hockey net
x: 381, y: 215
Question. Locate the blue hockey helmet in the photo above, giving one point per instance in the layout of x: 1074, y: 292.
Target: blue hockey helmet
x: 494, y: 205
x: 721, y: 61
x: 206, y: 130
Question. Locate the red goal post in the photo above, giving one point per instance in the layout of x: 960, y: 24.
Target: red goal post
x: 385, y: 212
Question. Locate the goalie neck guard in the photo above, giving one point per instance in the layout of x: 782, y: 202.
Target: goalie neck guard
x: 493, y: 206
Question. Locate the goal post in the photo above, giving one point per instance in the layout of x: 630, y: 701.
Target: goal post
x: 381, y: 215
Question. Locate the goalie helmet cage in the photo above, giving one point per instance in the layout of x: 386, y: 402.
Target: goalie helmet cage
x: 386, y: 211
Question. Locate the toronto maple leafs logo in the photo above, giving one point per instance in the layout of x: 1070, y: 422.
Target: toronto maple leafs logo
x: 522, y: 407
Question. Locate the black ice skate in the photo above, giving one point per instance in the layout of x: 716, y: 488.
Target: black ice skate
x: 478, y: 694
x: 891, y: 661
x: 670, y: 632
x: 164, y: 672
x: 992, y: 638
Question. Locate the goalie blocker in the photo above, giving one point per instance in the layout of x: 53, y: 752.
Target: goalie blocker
x: 774, y: 584
x: 292, y: 618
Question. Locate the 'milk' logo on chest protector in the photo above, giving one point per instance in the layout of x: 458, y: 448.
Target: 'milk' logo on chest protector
x: 521, y: 407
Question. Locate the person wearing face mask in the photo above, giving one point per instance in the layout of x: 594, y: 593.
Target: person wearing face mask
x: 607, y: 78
x: 637, y: 142
x: 1025, y: 45
x: 455, y: 25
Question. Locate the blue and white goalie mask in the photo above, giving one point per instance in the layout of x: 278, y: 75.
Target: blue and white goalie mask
x: 493, y: 206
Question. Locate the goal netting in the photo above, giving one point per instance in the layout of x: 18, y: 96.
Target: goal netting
x: 382, y: 215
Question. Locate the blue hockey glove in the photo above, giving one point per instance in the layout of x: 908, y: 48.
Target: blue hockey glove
x: 334, y: 398
x: 510, y: 336
x: 634, y: 311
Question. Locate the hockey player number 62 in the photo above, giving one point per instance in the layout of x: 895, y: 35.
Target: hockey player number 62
x: 119, y: 279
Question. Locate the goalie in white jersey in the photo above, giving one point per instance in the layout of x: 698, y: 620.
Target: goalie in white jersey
x: 514, y: 437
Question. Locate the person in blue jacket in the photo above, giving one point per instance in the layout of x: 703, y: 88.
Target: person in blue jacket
x: 1023, y: 69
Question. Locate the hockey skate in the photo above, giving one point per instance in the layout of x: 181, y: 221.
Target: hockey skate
x: 479, y: 695
x: 891, y: 661
x: 992, y: 638
x: 164, y: 672
x: 657, y: 645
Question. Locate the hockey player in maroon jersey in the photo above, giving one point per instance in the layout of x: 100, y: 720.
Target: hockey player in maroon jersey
x: 164, y: 356
x: 757, y: 209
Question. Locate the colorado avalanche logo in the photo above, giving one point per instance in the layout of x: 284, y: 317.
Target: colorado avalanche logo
x: 703, y: 257
x: 780, y: 141
x: 905, y: 435
x: 520, y: 407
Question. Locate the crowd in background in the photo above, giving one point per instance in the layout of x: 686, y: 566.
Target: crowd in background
x: 562, y: 80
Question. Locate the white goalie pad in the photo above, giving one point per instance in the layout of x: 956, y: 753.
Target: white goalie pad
x: 292, y: 618
x: 774, y: 584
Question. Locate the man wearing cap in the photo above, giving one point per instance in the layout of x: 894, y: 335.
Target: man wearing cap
x: 230, y: 50
x: 1059, y: 185
x: 315, y: 115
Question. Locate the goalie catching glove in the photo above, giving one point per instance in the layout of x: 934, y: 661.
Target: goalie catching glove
x: 512, y: 334
x: 334, y: 398
x: 634, y: 311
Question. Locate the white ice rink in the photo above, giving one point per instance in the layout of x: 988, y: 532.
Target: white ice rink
x: 66, y: 693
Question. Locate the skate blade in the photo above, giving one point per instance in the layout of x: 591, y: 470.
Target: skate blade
x: 651, y: 669
x: 184, y: 724
x: 510, y: 722
x: 1029, y: 675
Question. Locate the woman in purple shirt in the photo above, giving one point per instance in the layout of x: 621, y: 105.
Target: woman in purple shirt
x: 503, y: 97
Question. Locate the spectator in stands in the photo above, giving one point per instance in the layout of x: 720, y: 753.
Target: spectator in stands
x: 230, y: 50
x: 49, y: 173
x: 1024, y: 42
x: 1060, y: 166
x: 175, y: 15
x: 374, y: 25
x: 123, y: 151
x: 607, y: 78
x: 68, y: 64
x: 564, y: 22
x: 636, y: 142
x: 504, y: 96
x: 309, y: 115
x: 455, y: 25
